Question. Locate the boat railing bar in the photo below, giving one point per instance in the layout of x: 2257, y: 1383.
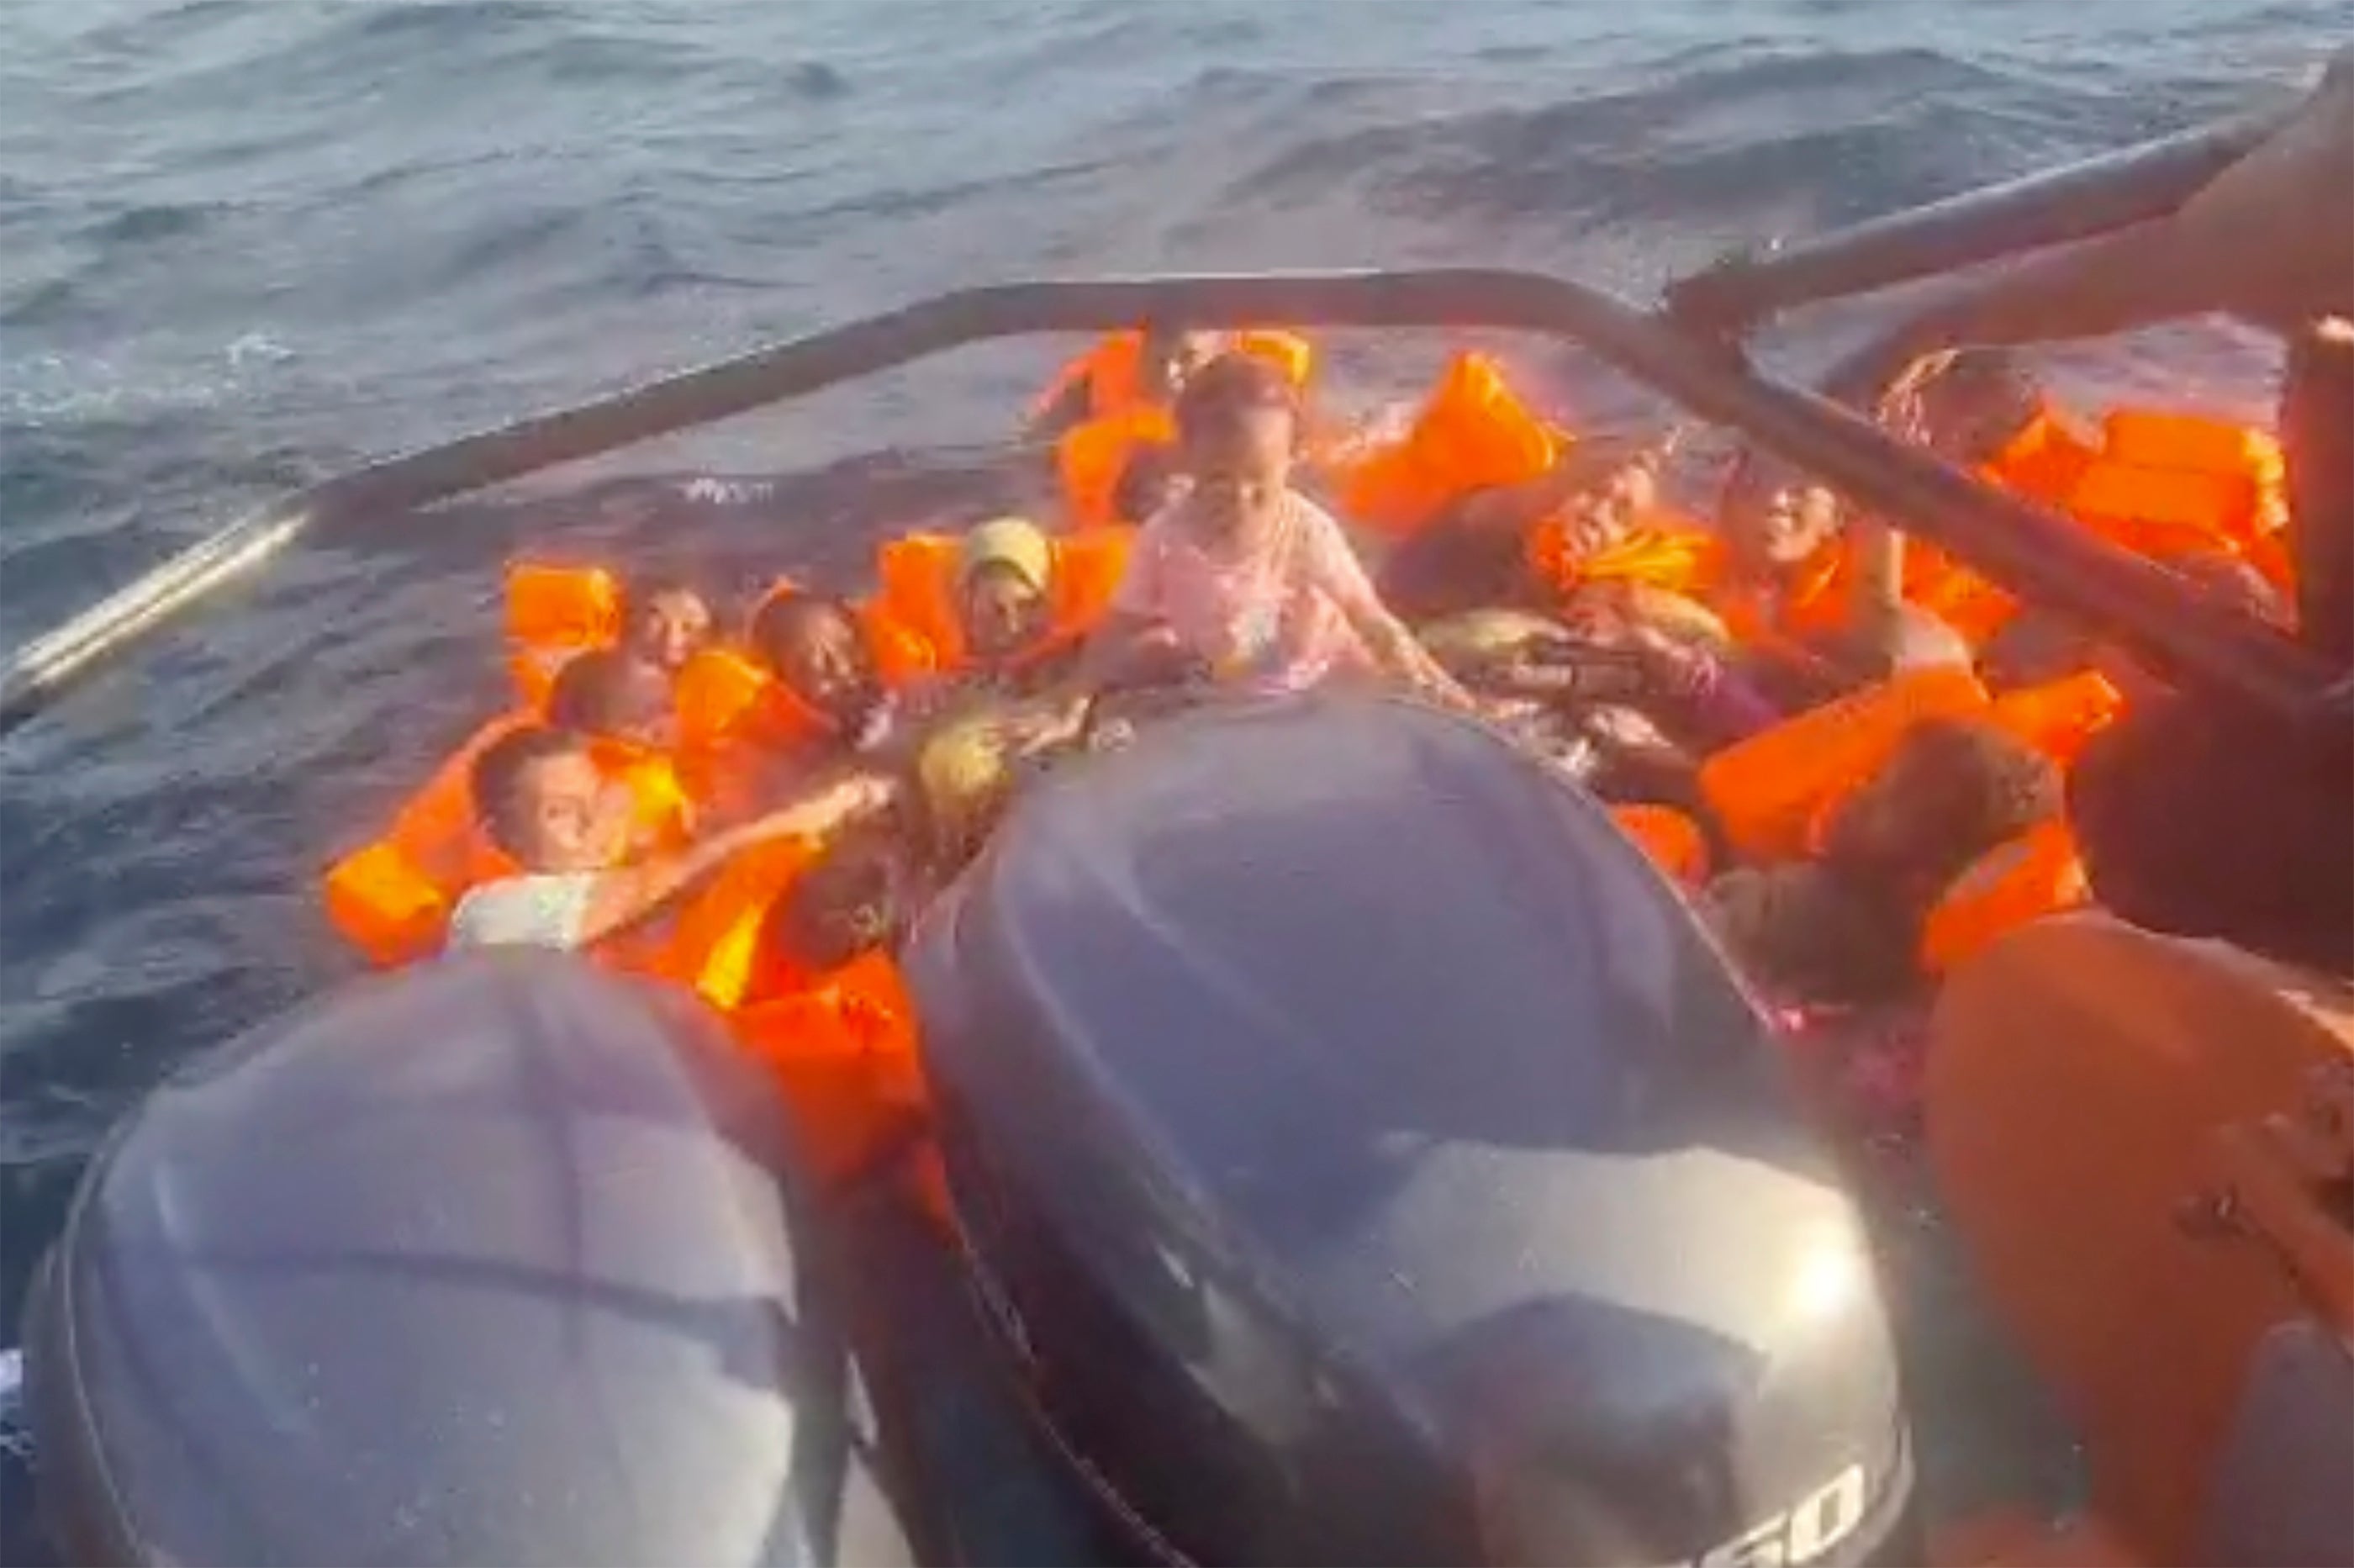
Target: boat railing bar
x: 2032, y: 552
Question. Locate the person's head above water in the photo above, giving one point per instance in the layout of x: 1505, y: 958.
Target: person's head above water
x: 1774, y: 517
x: 1953, y: 789
x: 1972, y: 405
x: 1171, y: 356
x: 612, y: 694
x: 1237, y: 428
x: 814, y: 644
x: 1604, y: 513
x: 1005, y: 578
x: 541, y: 798
x: 667, y: 622
x: 849, y: 902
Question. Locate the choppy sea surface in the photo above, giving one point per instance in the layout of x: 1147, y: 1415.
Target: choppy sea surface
x: 246, y: 243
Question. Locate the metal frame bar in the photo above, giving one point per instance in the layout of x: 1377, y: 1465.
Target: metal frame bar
x: 2036, y: 554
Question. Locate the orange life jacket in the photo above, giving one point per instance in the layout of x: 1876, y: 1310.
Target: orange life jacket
x: 2044, y: 459
x: 1112, y: 370
x: 1808, y: 604
x: 731, y: 711
x: 713, y: 948
x: 843, y: 1049
x: 2164, y: 484
x: 2035, y: 875
x: 554, y: 613
x: 1473, y: 433
x: 1092, y: 459
x: 1672, y: 841
x: 1814, y: 602
x: 392, y: 898
x: 2057, y: 718
x: 916, y: 589
x: 1672, y: 555
x: 1769, y: 792
x: 2160, y: 485
x: 842, y: 1045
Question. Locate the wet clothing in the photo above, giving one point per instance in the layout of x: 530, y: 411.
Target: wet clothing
x: 532, y: 911
x: 1278, y: 616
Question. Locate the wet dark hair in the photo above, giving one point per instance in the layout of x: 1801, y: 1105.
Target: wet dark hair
x: 594, y: 693
x: 636, y: 597
x: 779, y: 615
x: 1225, y: 392
x: 1974, y: 787
x: 497, y: 773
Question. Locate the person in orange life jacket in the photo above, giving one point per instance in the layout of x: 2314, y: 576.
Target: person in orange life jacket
x: 816, y: 646
x: 1475, y: 553
x: 546, y: 806
x: 614, y: 694
x: 1004, y: 602
x: 665, y: 623
x: 2270, y: 240
x: 858, y: 896
x: 1169, y: 356
x: 1243, y: 572
x: 1786, y: 590
x: 1845, y: 928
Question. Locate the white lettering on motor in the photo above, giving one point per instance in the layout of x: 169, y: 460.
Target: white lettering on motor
x: 1819, y: 1520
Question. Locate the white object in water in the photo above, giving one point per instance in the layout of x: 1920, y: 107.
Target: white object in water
x: 14, y: 1438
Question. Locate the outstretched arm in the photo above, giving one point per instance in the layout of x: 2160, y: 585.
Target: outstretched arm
x: 1336, y: 573
x: 627, y: 894
x: 2270, y: 238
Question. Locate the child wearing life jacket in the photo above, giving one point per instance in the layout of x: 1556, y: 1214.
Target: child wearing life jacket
x: 665, y: 623
x: 614, y: 694
x: 1845, y: 928
x: 1246, y: 574
x: 546, y: 806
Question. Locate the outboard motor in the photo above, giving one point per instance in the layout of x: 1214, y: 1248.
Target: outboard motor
x: 1367, y: 1159
x: 495, y: 1261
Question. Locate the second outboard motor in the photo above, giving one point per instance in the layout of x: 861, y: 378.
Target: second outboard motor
x: 498, y: 1260
x: 1367, y: 1159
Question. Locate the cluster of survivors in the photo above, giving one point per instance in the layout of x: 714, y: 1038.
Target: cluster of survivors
x: 754, y: 806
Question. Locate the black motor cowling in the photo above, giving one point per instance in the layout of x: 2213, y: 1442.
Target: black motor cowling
x: 1368, y: 1160
x: 495, y: 1261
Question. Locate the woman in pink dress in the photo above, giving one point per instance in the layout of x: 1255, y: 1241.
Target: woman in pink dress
x: 1245, y: 576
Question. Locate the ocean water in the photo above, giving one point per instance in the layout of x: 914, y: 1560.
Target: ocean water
x: 245, y: 243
